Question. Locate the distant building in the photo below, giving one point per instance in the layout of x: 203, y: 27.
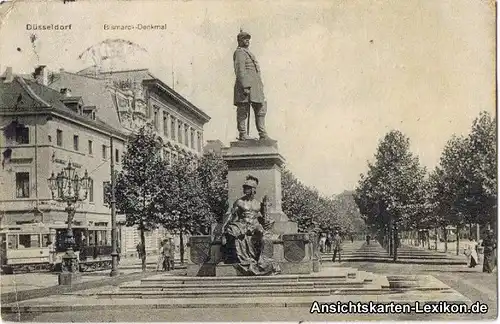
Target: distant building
x: 213, y: 146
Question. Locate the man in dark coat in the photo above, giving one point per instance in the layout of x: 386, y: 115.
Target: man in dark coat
x: 490, y: 246
x: 248, y: 88
x: 337, y: 246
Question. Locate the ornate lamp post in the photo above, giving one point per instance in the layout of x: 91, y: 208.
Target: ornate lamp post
x: 68, y: 187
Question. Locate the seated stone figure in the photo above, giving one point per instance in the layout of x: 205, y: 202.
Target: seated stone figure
x: 244, y: 231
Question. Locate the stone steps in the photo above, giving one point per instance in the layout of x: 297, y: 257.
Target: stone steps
x: 335, y: 281
x: 340, y: 274
x: 376, y: 253
x: 245, y: 293
x: 329, y: 282
x: 231, y: 286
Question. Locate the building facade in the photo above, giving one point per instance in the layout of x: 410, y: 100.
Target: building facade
x: 129, y: 99
x: 42, y: 130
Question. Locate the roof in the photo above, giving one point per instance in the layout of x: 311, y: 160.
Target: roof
x: 179, y: 99
x: 135, y: 74
x: 94, y: 93
x: 26, y: 95
x: 143, y: 76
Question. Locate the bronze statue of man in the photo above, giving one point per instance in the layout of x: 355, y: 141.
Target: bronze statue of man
x: 248, y: 89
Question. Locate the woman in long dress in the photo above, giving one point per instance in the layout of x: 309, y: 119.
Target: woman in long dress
x: 471, y: 254
x: 322, y: 242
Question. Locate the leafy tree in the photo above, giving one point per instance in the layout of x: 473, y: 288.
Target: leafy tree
x: 456, y: 187
x: 482, y: 198
x: 137, y: 185
x: 348, y: 212
x: 212, y: 173
x: 390, y: 189
x: 295, y: 201
x: 438, y: 201
x: 184, y: 209
x: 309, y: 208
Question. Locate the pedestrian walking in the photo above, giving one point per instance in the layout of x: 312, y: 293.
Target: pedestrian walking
x: 322, y: 242
x: 490, y: 247
x: 470, y: 252
x: 118, y: 251
x: 328, y: 243
x: 161, y: 257
x: 167, y: 252
x: 140, y: 250
x: 337, y: 246
x: 172, y: 254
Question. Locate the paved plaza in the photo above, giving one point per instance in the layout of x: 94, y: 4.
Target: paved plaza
x: 80, y: 304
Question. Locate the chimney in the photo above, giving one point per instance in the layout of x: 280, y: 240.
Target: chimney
x: 66, y: 92
x: 7, y: 76
x: 41, y: 75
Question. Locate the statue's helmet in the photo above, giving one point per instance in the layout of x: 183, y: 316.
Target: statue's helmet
x: 251, y: 182
x: 243, y: 35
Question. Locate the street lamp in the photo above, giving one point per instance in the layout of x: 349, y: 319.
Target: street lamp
x: 68, y: 187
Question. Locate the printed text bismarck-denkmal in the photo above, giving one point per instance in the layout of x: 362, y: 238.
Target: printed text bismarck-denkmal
x: 135, y: 27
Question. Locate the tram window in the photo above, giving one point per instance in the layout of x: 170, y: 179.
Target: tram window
x: 29, y: 241
x: 45, y: 240
x: 35, y: 241
x: 24, y: 241
x: 12, y: 242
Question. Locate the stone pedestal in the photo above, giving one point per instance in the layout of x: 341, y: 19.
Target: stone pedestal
x: 69, y: 278
x: 292, y: 251
x: 261, y: 159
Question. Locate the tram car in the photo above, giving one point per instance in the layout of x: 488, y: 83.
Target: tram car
x: 37, y: 247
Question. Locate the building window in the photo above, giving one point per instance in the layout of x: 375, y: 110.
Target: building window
x: 200, y: 148
x: 75, y: 142
x: 179, y: 132
x: 186, y: 135
x: 165, y: 124
x: 59, y: 137
x: 91, y: 190
x: 22, y: 184
x: 172, y: 128
x: 22, y: 134
x: 106, y: 190
x: 192, y: 139
x: 90, y: 147
x: 155, y: 119
x: 117, y: 156
x: 104, y: 152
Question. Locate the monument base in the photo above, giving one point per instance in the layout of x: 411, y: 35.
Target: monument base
x: 229, y: 270
x: 294, y: 253
x: 213, y: 270
x: 69, y: 278
x: 305, y: 267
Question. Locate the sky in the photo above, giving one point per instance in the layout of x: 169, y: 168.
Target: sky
x: 338, y: 75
